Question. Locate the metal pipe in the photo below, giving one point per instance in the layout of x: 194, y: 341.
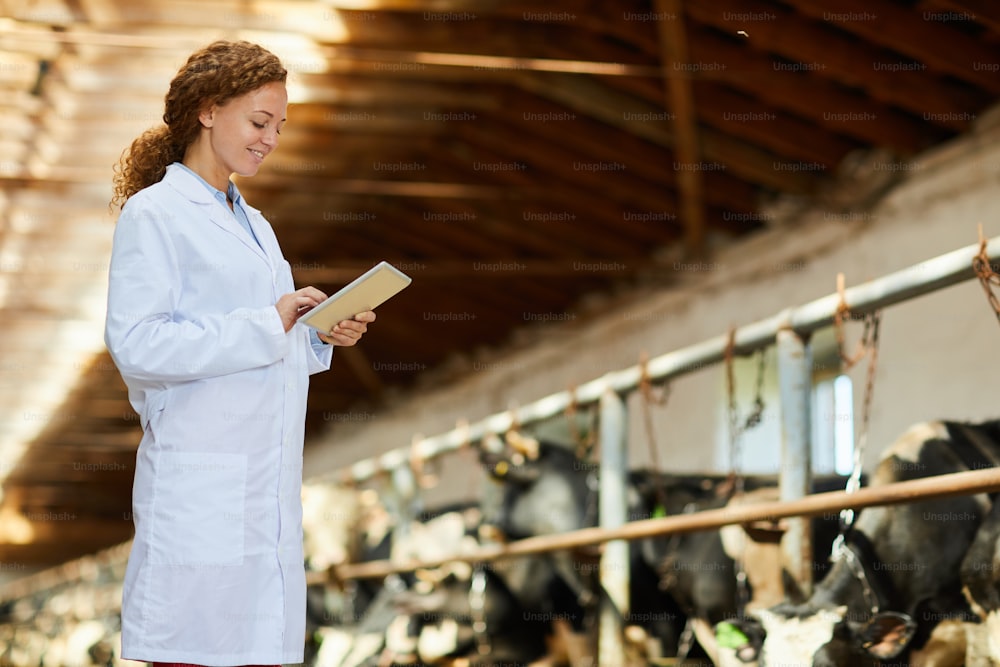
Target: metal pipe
x: 919, y: 279
x: 612, y: 514
x: 940, y: 486
x: 795, y: 479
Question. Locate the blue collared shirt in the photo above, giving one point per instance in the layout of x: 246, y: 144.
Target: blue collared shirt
x: 234, y: 196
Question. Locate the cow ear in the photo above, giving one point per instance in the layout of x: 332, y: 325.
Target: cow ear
x: 887, y: 634
x: 503, y: 469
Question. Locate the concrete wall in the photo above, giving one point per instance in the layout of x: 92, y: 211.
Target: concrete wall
x: 938, y: 355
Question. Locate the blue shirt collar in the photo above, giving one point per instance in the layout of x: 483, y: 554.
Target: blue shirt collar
x: 233, y: 191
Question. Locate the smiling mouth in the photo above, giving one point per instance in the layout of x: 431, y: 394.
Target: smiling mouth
x: 257, y: 153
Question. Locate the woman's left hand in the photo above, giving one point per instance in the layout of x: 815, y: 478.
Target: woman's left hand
x: 349, y: 332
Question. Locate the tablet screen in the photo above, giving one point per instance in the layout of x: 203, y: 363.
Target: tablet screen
x: 366, y: 292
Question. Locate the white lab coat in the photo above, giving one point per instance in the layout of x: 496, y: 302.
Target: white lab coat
x: 215, y: 575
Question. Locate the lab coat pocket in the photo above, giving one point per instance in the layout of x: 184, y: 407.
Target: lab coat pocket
x: 198, y: 509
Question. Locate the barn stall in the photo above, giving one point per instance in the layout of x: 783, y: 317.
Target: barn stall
x: 570, y: 186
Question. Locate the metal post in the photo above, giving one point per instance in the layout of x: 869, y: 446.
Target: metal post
x: 795, y: 480
x: 402, y: 501
x: 613, y: 512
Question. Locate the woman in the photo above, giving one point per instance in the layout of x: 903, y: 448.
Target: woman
x: 202, y: 326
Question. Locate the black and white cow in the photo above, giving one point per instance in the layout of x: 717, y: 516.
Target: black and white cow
x: 546, y: 490
x: 981, y: 579
x: 493, y: 614
x: 898, y: 576
x: 677, y: 582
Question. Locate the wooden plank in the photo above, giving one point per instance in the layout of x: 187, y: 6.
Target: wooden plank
x: 727, y: 61
x: 103, y: 495
x: 773, y: 129
x: 830, y: 106
x: 845, y: 59
x: 986, y: 12
x: 680, y: 100
x: 643, y: 120
x: 111, y: 439
x: 904, y: 30
x: 561, y: 168
x: 451, y: 269
x: 361, y: 367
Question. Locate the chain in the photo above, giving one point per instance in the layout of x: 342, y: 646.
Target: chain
x: 870, y: 339
x: 736, y: 431
x: 987, y: 277
x: 649, y: 398
x: 686, y: 641
x: 840, y: 549
x: 426, y: 470
x: 857, y: 569
x: 584, y: 444
x: 477, y: 609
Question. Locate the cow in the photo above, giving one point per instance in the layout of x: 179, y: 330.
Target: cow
x: 490, y: 614
x: 895, y: 577
x: 678, y: 583
x: 546, y: 489
x: 980, y: 574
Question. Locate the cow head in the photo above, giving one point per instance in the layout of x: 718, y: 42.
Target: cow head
x: 824, y: 637
x: 544, y: 487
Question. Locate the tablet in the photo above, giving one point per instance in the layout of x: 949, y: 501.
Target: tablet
x: 366, y: 292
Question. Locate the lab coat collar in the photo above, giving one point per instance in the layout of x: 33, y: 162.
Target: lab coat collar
x: 188, y: 186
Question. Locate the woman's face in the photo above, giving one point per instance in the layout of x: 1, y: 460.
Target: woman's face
x: 245, y: 129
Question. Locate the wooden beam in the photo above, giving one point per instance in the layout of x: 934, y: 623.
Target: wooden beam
x: 985, y: 12
x: 385, y: 187
x: 646, y: 121
x: 842, y: 58
x: 562, y: 168
x: 116, y: 439
x: 776, y: 130
x: 932, y: 44
x: 77, y: 543
x: 361, y: 367
x: 441, y: 269
x: 680, y: 100
x: 827, y: 104
x: 108, y: 496
x: 806, y: 94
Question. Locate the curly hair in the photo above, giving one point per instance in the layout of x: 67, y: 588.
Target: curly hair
x: 212, y: 76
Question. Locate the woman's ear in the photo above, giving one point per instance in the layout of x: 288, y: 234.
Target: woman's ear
x: 207, y: 116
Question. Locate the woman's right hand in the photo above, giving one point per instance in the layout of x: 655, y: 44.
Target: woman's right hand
x: 291, y: 306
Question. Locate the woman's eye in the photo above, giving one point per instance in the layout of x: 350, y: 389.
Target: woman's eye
x: 259, y: 126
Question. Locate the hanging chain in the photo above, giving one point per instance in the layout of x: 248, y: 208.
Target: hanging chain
x: 584, y: 443
x: 477, y: 609
x: 870, y: 341
x: 736, y: 431
x: 586, y: 446
x: 987, y: 277
x: 651, y: 397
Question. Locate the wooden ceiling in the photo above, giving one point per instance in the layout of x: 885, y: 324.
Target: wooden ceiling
x: 512, y: 156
